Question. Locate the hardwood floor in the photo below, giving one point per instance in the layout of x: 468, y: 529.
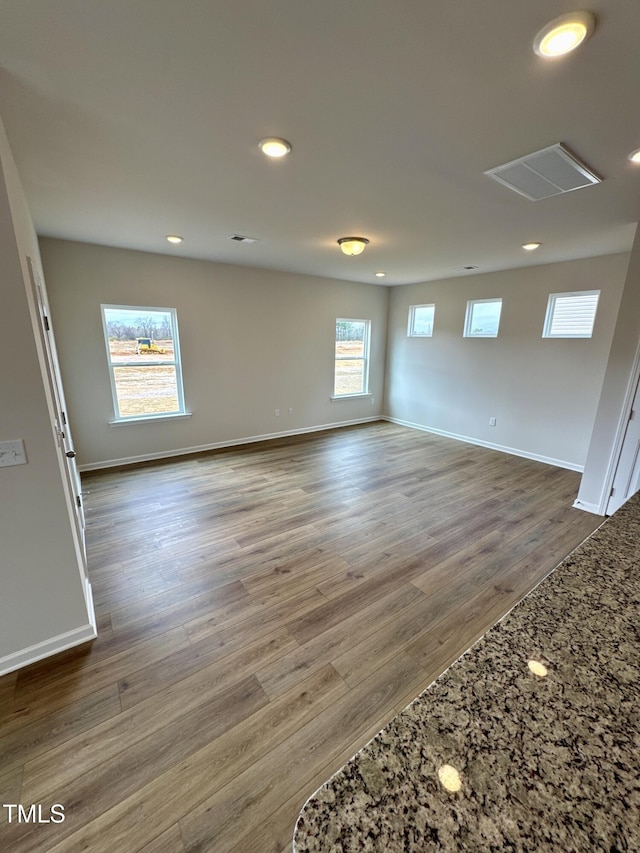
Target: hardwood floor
x: 263, y: 612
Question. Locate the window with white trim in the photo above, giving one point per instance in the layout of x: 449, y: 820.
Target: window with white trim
x: 351, y: 375
x: 143, y: 355
x: 483, y: 318
x: 571, y: 315
x: 421, y: 319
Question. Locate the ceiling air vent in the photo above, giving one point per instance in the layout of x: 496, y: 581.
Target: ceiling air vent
x: 240, y: 238
x: 551, y: 171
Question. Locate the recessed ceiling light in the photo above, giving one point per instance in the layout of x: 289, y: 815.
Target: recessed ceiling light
x: 380, y: 274
x: 174, y: 238
x: 272, y: 146
x: 353, y: 245
x: 564, y: 34
x: 635, y: 156
x: 531, y: 247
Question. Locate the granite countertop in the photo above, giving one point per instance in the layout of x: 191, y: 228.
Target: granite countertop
x: 545, y: 762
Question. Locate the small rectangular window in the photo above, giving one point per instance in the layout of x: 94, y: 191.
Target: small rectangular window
x: 421, y: 321
x: 351, y: 374
x: 483, y: 318
x: 571, y: 315
x: 144, y: 361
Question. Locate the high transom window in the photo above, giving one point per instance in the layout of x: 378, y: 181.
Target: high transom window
x: 421, y: 319
x: 571, y: 315
x: 483, y: 318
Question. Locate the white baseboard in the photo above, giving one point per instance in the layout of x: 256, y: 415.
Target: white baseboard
x: 587, y: 507
x: 47, y: 648
x: 513, y: 451
x: 216, y: 445
x: 91, y: 610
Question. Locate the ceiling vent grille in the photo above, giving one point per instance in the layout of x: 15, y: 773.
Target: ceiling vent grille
x: 551, y: 171
x: 240, y: 238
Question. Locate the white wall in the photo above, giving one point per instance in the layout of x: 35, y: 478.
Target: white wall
x: 617, y: 390
x: 252, y: 341
x: 542, y: 392
x: 42, y: 602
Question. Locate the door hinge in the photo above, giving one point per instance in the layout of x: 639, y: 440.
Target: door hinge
x: 611, y: 493
x: 45, y: 320
x: 64, y: 418
x: 78, y: 501
x: 632, y: 415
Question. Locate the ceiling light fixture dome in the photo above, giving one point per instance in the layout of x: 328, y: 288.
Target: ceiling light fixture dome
x: 353, y: 245
x: 273, y: 146
x: 532, y: 246
x: 564, y: 34
x: 380, y: 274
x: 174, y: 238
x: 635, y: 156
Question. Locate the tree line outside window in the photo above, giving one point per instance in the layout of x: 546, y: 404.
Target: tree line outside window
x: 141, y: 327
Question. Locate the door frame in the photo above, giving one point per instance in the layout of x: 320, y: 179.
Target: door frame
x: 625, y: 415
x: 55, y: 393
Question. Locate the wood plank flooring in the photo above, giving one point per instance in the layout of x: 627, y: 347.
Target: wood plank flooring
x: 263, y: 612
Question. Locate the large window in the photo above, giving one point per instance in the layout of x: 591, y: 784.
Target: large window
x: 483, y: 318
x: 144, y: 361
x: 421, y: 321
x: 351, y: 357
x: 571, y: 315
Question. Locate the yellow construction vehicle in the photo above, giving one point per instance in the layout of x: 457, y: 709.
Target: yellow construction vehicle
x: 145, y: 345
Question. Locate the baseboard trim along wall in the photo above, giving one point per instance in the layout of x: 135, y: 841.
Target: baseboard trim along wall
x: 233, y: 442
x: 47, y: 648
x: 588, y: 507
x: 559, y: 463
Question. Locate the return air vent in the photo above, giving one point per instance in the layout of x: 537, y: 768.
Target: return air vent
x: 240, y: 238
x: 551, y: 171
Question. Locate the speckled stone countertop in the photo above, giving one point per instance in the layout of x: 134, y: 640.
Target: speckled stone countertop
x: 546, y: 763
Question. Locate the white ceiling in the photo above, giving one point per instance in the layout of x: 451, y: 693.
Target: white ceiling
x: 133, y: 119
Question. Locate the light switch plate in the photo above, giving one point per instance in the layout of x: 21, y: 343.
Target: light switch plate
x: 12, y: 453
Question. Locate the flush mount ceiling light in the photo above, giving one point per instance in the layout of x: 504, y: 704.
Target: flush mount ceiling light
x: 564, y: 34
x: 174, y: 238
x: 380, y: 274
x: 531, y: 247
x: 353, y: 245
x: 272, y: 146
x: 635, y: 156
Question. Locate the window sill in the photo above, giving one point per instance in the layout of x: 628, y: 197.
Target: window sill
x: 145, y: 419
x: 349, y: 396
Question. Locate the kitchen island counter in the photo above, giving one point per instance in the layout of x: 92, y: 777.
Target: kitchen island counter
x: 538, y: 724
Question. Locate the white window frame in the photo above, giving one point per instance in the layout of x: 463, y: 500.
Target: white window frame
x: 364, y: 358
x: 172, y: 362
x: 547, y: 329
x: 468, y: 320
x: 411, y: 330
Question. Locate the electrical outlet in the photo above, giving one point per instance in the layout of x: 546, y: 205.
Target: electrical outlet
x: 12, y: 453
x: 492, y: 421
